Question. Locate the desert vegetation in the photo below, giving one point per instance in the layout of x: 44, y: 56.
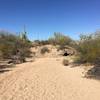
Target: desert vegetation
x: 89, y: 48
x: 44, y: 50
x: 60, y: 39
x: 65, y: 62
x: 57, y: 39
x: 17, y: 47
x: 13, y: 46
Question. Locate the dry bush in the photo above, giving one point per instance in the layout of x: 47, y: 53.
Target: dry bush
x: 89, y: 48
x: 44, y: 50
x: 41, y: 42
x: 60, y: 39
x: 12, y: 45
x: 44, y: 42
x: 65, y: 62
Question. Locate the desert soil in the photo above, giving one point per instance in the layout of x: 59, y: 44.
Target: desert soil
x: 47, y: 79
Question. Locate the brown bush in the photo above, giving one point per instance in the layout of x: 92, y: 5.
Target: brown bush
x: 89, y: 48
x: 44, y: 50
x: 12, y: 45
x: 65, y: 62
x: 60, y: 39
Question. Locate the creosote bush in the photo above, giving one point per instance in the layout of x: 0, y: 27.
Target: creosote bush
x: 89, y: 48
x: 44, y: 50
x: 11, y: 45
x: 60, y: 39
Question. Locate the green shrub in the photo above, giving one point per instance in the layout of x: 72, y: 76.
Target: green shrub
x: 11, y: 44
x: 60, y: 39
x: 89, y: 48
x: 44, y: 42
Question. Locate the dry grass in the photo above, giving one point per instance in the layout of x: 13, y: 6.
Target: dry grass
x: 44, y: 50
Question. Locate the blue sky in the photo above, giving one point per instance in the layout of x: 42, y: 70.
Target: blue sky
x: 44, y: 17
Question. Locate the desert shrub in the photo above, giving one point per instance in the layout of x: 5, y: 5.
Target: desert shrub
x: 11, y: 44
x: 44, y: 42
x: 44, y: 50
x: 37, y: 42
x: 89, y: 48
x: 60, y: 39
x: 41, y: 42
x: 65, y: 62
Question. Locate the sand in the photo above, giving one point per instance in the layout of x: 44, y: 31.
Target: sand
x: 47, y: 79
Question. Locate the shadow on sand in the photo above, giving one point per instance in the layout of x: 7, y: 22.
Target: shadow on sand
x: 92, y: 73
x: 5, y: 68
x: 3, y: 71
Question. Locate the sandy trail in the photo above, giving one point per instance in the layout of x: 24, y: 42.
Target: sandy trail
x: 47, y: 79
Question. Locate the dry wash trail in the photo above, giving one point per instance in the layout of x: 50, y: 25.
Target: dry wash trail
x: 47, y: 79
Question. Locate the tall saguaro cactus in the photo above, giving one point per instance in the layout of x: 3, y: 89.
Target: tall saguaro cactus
x: 24, y: 34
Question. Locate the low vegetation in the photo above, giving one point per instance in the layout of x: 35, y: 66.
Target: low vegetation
x: 89, y: 53
x: 60, y: 39
x: 44, y: 50
x: 13, y: 46
x: 17, y: 47
x: 89, y: 48
x: 65, y: 62
x: 57, y: 39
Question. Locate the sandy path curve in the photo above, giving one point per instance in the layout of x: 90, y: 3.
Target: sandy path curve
x: 47, y: 79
